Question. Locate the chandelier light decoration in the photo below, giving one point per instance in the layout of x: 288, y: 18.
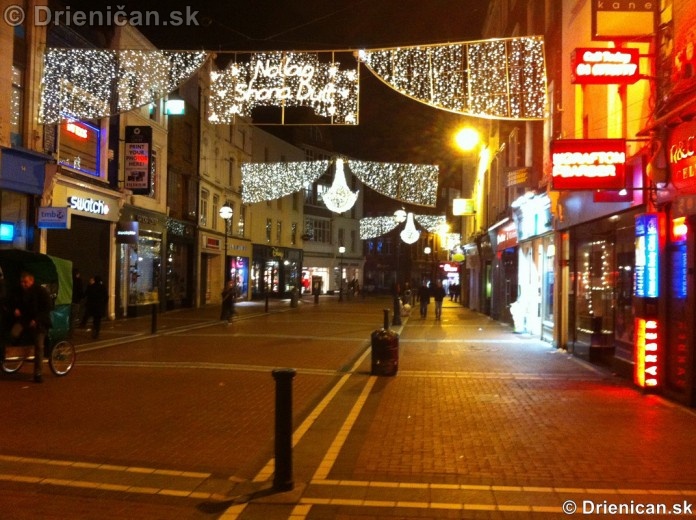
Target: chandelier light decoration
x: 373, y: 227
x: 269, y: 181
x: 409, y: 234
x: 409, y: 183
x: 284, y: 79
x: 89, y: 83
x: 339, y: 198
x: 501, y: 78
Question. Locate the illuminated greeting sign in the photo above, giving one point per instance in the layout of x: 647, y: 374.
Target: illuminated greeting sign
x: 682, y: 156
x: 647, y: 271
x: 588, y: 164
x: 285, y: 79
x: 604, y: 66
x: 647, y: 353
x: 79, y: 131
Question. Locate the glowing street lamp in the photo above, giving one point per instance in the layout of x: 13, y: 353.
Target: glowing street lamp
x: 226, y: 213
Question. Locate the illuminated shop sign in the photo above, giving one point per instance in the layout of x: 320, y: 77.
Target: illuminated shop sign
x: 78, y: 147
x: 588, y: 164
x: 647, y: 352
x: 7, y: 232
x: 507, y: 237
x: 682, y: 157
x: 127, y: 232
x: 604, y: 66
x: 138, y: 159
x: 88, y: 205
x: 678, y: 259
x: 623, y: 19
x: 647, y: 243
x: 49, y: 217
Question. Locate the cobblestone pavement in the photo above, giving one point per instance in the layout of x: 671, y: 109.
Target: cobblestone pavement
x: 478, y: 423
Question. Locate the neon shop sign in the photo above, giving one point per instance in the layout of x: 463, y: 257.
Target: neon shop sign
x: 588, y: 164
x: 647, y: 353
x: 90, y: 205
x: 604, y: 66
x: 647, y: 256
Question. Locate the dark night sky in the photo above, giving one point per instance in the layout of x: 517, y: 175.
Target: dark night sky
x: 392, y: 127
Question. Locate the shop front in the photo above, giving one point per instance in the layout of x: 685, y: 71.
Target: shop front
x: 85, y: 234
x: 275, y: 271
x: 180, y: 254
x: 503, y: 237
x: 140, y: 262
x: 214, y: 263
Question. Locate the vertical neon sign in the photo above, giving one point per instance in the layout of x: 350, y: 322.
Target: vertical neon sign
x: 647, y: 273
x: 647, y: 353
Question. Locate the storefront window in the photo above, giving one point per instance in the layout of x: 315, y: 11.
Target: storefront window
x: 177, y: 274
x: 144, y: 262
x: 595, y: 312
x: 548, y: 283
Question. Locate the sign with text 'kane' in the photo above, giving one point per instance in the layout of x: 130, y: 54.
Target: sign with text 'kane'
x: 588, y: 164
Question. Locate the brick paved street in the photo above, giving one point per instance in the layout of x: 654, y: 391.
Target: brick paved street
x: 478, y: 423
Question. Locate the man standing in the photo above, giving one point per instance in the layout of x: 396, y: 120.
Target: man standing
x: 96, y: 298
x: 438, y: 296
x: 32, y: 314
x: 424, y: 298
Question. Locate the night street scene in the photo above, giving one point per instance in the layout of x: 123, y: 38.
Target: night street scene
x: 348, y: 259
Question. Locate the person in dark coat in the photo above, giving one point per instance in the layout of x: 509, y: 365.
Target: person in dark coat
x: 96, y: 298
x: 32, y: 315
x: 438, y: 296
x: 229, y: 297
x: 424, y: 298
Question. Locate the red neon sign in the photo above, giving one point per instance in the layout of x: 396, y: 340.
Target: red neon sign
x: 682, y: 157
x: 602, y: 66
x: 77, y: 130
x: 647, y: 372
x: 588, y: 164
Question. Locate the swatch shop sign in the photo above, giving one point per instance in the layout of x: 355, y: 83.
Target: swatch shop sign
x: 88, y: 205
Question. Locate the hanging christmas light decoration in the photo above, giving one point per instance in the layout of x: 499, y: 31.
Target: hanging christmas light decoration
x: 269, y: 181
x: 501, y: 78
x: 432, y: 223
x: 339, y: 198
x: 409, y: 183
x: 89, y: 83
x: 373, y: 227
x: 284, y: 79
x: 409, y: 234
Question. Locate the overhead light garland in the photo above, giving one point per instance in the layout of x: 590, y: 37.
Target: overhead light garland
x: 284, y: 79
x: 89, y: 83
x: 339, y: 197
x: 408, y: 183
x: 501, y: 78
x: 432, y: 223
x: 269, y: 181
x: 373, y: 227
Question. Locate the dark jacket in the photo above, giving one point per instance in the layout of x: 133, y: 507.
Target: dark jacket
x: 424, y: 294
x: 96, y: 298
x: 34, y: 304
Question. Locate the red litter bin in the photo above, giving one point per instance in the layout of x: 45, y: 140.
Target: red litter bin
x: 385, y: 350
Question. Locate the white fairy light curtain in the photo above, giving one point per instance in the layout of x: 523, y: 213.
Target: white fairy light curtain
x: 373, y: 227
x: 500, y: 79
x: 285, y: 79
x: 89, y: 84
x: 408, y: 183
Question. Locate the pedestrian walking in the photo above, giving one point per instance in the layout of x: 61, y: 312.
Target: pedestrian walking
x: 424, y: 298
x: 32, y: 315
x: 229, y: 296
x: 438, y: 296
x: 96, y: 298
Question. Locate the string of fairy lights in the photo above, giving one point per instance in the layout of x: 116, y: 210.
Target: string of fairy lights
x: 502, y: 78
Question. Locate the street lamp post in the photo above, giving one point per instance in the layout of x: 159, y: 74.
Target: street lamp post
x: 226, y: 213
x: 341, y: 250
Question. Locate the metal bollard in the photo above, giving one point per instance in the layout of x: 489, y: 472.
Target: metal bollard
x: 316, y: 298
x: 283, y: 479
x: 386, y: 319
x: 153, y: 324
x: 396, y: 320
x: 266, y: 307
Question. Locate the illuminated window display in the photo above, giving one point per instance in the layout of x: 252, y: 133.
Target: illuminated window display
x: 143, y: 263
x: 594, y: 311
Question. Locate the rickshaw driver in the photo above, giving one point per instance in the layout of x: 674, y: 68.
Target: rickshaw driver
x: 32, y: 314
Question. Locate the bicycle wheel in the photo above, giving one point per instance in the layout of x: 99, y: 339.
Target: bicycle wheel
x: 13, y: 358
x: 62, y: 358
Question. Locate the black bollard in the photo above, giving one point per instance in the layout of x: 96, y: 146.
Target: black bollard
x: 283, y: 480
x: 397, y: 312
x: 386, y: 319
x: 266, y: 308
x: 316, y: 298
x: 153, y: 324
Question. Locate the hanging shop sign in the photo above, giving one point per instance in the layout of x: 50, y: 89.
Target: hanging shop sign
x: 7, y: 231
x: 647, y: 353
x: 623, y: 19
x: 137, y: 159
x: 463, y: 207
x: 596, y: 66
x: 682, y: 157
x: 127, y: 232
x: 506, y: 237
x: 588, y: 164
x: 285, y: 79
x: 647, y: 249
x: 49, y: 217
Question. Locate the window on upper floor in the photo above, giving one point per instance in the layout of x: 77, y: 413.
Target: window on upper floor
x: 203, y: 211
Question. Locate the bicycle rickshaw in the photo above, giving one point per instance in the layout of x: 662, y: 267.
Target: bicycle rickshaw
x: 55, y: 274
